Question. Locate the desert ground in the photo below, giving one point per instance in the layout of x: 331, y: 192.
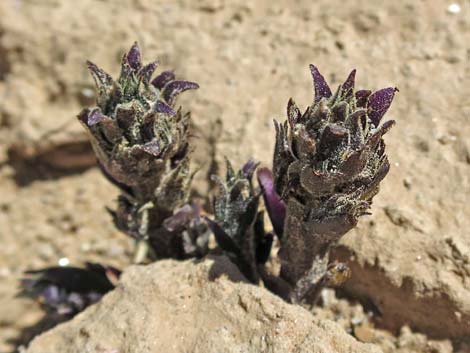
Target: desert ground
x: 410, y: 260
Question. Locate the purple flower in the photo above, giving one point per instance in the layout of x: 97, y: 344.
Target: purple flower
x: 274, y: 205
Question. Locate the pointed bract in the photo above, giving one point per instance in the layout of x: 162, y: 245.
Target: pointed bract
x: 378, y: 104
x: 133, y: 57
x: 274, y: 205
x: 147, y: 71
x: 161, y: 80
x: 172, y: 89
x: 348, y: 85
x: 321, y: 88
x: 249, y: 168
x: 102, y: 79
x: 293, y: 113
x: 162, y: 107
x: 95, y: 117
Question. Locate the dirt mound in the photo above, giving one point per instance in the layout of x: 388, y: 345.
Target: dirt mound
x: 191, y: 306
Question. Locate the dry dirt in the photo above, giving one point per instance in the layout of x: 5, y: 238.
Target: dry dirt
x: 195, y: 306
x: 410, y: 259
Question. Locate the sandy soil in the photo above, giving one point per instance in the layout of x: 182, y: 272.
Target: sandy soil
x: 411, y: 259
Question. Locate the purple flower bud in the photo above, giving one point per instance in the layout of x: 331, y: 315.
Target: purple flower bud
x: 147, y: 71
x: 348, y: 85
x: 162, y: 107
x: 133, y: 57
x: 378, y: 104
x: 161, y: 80
x: 173, y: 88
x: 95, y: 117
x: 101, y: 78
x: 321, y: 88
x: 274, y: 205
x: 249, y: 168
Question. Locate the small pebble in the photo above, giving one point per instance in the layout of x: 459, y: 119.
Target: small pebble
x: 364, y: 333
x: 87, y: 93
x: 85, y: 247
x: 45, y: 251
x: 446, y: 139
x: 454, y: 8
x: 407, y: 183
x: 5, y: 272
x: 63, y: 261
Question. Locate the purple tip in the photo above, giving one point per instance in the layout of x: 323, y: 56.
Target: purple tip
x: 172, y: 89
x: 249, y: 168
x: 293, y: 113
x: 274, y: 205
x: 378, y: 104
x: 161, y: 80
x: 180, y: 219
x: 94, y: 117
x: 147, y: 71
x: 348, y: 85
x: 101, y: 77
x: 321, y: 88
x: 133, y: 57
x: 162, y: 107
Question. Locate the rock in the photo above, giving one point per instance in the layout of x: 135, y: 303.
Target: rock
x: 192, y: 306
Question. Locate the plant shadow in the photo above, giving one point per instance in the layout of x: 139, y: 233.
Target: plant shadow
x: 53, y: 164
x: 27, y: 334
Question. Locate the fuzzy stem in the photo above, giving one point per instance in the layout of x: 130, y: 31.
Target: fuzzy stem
x: 141, y: 251
x: 304, y: 251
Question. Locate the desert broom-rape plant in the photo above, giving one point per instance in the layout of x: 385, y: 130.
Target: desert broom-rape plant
x: 328, y: 164
x: 327, y: 167
x: 142, y: 145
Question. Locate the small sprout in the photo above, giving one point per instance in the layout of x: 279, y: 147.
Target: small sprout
x: 238, y: 226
